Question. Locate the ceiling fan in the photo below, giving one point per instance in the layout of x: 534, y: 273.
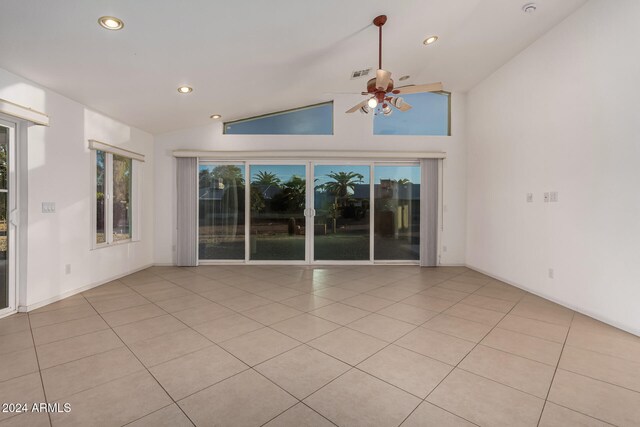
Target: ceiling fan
x: 381, y: 90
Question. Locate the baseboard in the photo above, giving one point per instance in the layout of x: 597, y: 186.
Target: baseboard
x: 31, y: 307
x: 163, y: 264
x: 570, y: 306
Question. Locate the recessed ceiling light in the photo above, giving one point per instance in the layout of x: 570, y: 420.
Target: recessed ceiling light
x: 403, y: 78
x: 529, y: 8
x: 430, y: 40
x: 215, y: 116
x: 111, y: 23
x: 185, y: 89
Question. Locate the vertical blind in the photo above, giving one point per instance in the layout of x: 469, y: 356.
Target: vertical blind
x: 429, y: 212
x: 187, y: 190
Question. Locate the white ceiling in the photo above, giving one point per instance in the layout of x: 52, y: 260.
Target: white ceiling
x: 249, y: 57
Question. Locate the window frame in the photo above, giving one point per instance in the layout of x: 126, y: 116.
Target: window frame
x: 135, y: 198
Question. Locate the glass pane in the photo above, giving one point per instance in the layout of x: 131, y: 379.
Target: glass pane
x: 313, y: 120
x: 341, y: 225
x: 121, y: 198
x: 278, y: 200
x: 221, y: 211
x: 100, y: 190
x: 4, y: 200
x: 429, y: 116
x: 397, y: 213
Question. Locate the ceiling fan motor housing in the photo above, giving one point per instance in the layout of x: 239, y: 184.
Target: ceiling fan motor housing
x: 371, y: 86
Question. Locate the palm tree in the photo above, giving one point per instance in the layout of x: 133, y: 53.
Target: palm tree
x: 342, y: 184
x: 266, y: 178
x: 294, y: 192
x: 231, y: 174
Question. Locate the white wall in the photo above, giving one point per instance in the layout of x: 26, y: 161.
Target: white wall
x: 59, y: 171
x: 351, y: 132
x: 563, y: 116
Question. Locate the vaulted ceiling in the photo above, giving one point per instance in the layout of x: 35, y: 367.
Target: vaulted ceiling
x: 249, y: 57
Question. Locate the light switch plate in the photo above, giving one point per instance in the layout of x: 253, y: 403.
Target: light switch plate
x: 529, y: 197
x: 48, y: 207
x: 554, y: 196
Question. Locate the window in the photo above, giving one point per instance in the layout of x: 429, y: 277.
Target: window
x: 430, y: 115
x: 114, y: 178
x: 312, y: 120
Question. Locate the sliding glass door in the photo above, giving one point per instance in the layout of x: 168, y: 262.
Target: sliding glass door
x: 278, y: 200
x: 307, y: 211
x: 397, y: 212
x: 7, y: 229
x: 342, y: 204
x: 221, y: 211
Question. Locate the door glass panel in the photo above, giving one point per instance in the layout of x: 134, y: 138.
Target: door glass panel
x: 221, y: 211
x: 4, y: 226
x: 121, y: 198
x: 101, y: 157
x: 278, y: 200
x: 397, y: 213
x: 342, y: 201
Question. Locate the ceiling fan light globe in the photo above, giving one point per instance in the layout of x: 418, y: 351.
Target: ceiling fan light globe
x: 365, y: 109
x: 372, y: 103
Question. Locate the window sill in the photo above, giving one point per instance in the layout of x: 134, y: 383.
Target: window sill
x: 118, y: 243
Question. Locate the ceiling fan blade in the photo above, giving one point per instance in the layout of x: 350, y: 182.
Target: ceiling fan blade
x: 431, y: 87
x: 383, y: 77
x: 404, y: 107
x: 357, y: 107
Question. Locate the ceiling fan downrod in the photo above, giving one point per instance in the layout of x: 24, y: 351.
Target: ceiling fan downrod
x: 379, y: 21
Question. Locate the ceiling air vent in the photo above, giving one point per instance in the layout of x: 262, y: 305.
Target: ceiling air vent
x: 360, y: 73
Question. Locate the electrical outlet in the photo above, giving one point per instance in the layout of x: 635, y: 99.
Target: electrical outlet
x: 551, y: 273
x: 529, y: 197
x: 48, y: 207
x: 553, y: 196
x: 546, y: 197
x: 67, y: 269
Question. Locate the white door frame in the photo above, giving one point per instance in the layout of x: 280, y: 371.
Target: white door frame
x: 12, y: 219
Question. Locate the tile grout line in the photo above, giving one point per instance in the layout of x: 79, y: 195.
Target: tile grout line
x: 555, y: 371
x: 144, y: 366
x: 356, y: 368
x: 465, y: 356
x: 445, y: 377
x: 44, y: 392
x: 249, y: 367
x: 352, y: 367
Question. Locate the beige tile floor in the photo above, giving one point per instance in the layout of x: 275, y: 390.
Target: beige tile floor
x: 316, y: 346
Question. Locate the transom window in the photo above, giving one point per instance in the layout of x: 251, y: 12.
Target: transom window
x: 311, y: 120
x: 430, y: 115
